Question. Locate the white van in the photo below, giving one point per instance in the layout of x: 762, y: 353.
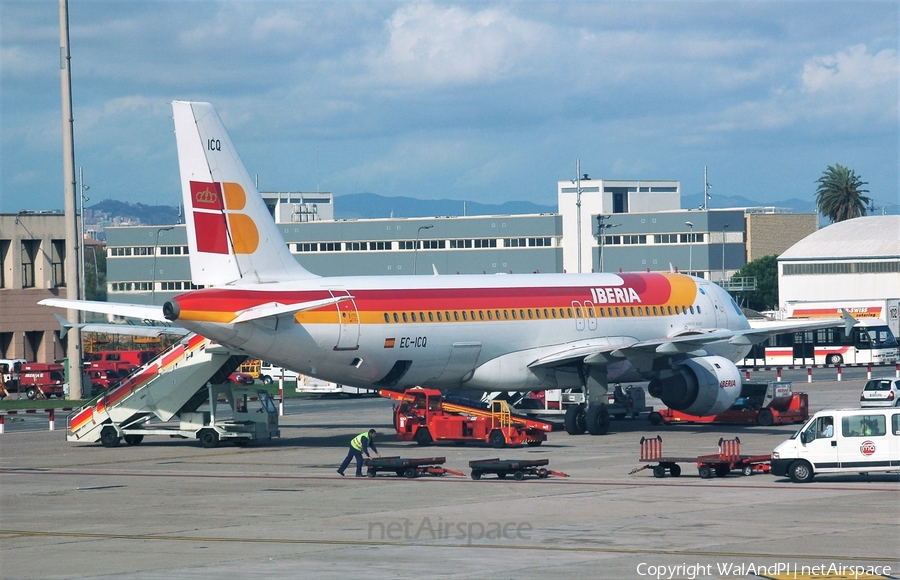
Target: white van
x: 269, y: 373
x: 841, y: 441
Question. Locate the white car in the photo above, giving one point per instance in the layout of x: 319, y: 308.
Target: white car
x: 883, y: 392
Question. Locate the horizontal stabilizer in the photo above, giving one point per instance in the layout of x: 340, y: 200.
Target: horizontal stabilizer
x: 142, y: 311
x: 272, y: 309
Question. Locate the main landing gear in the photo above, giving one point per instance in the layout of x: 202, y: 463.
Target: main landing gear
x: 594, y: 420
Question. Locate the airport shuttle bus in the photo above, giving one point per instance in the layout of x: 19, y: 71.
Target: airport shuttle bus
x: 870, y: 342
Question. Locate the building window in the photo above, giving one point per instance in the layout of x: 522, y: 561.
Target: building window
x: 29, y: 251
x: 58, y: 263
x: 4, y: 256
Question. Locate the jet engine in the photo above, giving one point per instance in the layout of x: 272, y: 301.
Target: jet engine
x: 698, y: 386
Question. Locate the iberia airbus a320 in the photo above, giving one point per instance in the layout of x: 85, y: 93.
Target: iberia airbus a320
x: 496, y: 333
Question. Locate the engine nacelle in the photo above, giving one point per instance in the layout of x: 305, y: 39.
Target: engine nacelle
x: 699, y: 386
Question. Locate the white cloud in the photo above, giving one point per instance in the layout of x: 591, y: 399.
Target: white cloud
x: 440, y: 45
x: 852, y: 69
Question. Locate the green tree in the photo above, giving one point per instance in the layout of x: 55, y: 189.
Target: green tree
x: 95, y: 272
x: 765, y: 270
x: 840, y: 196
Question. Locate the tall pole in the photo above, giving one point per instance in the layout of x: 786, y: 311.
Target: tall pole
x: 73, y: 350
x: 416, y: 250
x: 578, y: 208
x: 153, y: 274
x: 82, y: 198
x: 705, y: 190
x: 690, y: 249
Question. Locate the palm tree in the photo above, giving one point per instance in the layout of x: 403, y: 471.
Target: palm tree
x: 839, y: 196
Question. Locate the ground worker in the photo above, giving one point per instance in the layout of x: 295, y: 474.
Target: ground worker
x: 358, y: 446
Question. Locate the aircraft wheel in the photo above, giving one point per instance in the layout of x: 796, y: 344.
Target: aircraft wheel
x: 575, y: 423
x: 134, y: 439
x: 209, y: 438
x: 597, y: 418
x: 659, y: 471
x: 722, y: 470
x: 498, y: 439
x: 675, y: 470
x: 801, y: 472
x: 704, y: 471
x: 109, y: 437
x: 423, y: 436
x: 519, y: 475
x: 765, y: 418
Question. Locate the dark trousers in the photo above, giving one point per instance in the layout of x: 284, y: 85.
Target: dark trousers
x: 350, y: 455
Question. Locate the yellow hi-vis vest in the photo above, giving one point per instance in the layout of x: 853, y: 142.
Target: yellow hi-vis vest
x: 357, y: 441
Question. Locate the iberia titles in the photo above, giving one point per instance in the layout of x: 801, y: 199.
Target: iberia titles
x: 615, y: 296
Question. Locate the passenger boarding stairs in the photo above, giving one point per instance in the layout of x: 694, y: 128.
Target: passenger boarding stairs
x: 172, y: 383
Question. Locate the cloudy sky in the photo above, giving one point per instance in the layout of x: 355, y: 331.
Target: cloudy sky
x: 484, y: 101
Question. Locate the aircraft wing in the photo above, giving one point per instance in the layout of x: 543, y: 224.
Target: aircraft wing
x: 619, y: 348
x: 153, y: 330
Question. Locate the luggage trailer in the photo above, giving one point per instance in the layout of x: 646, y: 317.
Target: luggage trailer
x: 410, y: 468
x: 519, y: 468
x: 728, y: 459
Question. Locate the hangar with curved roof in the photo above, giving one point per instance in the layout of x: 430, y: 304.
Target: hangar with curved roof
x: 856, y: 259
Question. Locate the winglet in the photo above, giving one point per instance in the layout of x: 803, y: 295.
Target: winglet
x: 849, y: 321
x: 64, y: 325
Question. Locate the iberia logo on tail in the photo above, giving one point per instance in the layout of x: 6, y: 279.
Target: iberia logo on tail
x: 216, y: 211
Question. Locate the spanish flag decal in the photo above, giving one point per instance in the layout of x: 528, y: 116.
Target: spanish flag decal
x: 389, y: 343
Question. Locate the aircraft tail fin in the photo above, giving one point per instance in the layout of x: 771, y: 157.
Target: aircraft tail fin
x: 231, y: 234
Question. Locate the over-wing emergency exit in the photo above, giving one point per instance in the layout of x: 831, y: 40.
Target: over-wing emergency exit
x: 511, y: 332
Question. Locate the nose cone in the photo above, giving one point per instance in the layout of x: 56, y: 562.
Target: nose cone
x: 171, y: 310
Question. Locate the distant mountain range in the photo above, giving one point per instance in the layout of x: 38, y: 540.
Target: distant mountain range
x: 372, y: 206
x: 150, y: 215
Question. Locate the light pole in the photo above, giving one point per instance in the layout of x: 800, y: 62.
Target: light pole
x: 601, y: 233
x: 155, y: 252
x: 725, y: 227
x: 416, y: 250
x: 84, y: 198
x: 690, y: 249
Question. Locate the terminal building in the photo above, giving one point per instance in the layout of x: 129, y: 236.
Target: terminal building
x: 32, y: 256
